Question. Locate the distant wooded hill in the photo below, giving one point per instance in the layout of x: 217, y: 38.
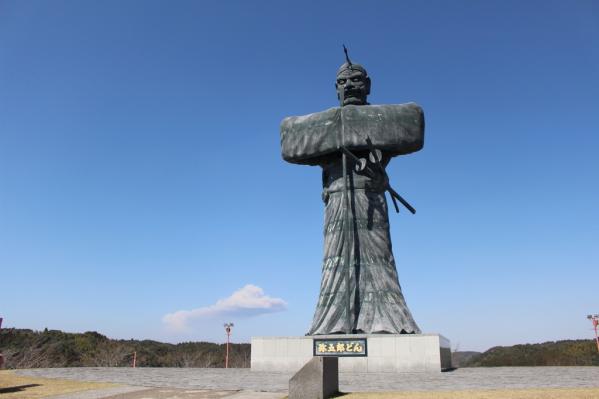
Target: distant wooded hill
x: 580, y: 352
x: 52, y: 348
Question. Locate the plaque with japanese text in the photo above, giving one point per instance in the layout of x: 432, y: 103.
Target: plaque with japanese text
x: 340, y: 347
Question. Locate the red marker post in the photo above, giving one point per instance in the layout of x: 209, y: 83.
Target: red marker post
x: 228, y: 327
x: 1, y: 355
x: 594, y: 318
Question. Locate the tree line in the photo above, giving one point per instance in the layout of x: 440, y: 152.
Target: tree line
x: 582, y: 352
x: 23, y: 348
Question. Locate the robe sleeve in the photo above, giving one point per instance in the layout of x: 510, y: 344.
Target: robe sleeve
x: 395, y: 129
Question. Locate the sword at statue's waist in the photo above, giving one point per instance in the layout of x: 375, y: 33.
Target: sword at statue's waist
x: 334, y: 173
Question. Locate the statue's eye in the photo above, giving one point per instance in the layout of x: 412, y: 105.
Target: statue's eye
x: 355, y: 79
x: 341, y: 81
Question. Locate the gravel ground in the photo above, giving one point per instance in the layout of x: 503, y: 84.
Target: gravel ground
x: 247, y: 380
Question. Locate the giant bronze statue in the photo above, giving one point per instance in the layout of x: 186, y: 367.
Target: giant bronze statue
x: 353, y: 144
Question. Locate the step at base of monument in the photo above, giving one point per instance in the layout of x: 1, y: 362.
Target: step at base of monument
x: 387, y: 353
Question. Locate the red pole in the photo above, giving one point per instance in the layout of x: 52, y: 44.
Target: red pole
x: 228, y: 331
x: 595, y: 324
x: 1, y: 355
x: 227, y: 356
x: 134, y: 358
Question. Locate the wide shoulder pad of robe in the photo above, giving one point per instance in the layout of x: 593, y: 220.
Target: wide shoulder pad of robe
x: 396, y: 129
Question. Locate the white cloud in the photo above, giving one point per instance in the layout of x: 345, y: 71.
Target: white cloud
x: 247, y: 301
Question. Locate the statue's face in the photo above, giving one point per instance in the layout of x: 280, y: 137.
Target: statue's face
x: 355, y: 86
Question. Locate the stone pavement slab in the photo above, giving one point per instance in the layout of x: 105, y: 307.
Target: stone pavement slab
x: 99, y: 393
x: 127, y: 392
x: 170, y: 393
x: 247, y: 380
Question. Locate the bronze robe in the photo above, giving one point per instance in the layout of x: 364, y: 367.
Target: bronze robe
x: 376, y: 303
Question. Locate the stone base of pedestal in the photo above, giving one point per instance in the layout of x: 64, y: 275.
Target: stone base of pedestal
x: 387, y: 353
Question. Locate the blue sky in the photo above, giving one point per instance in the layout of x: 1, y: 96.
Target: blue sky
x: 140, y: 168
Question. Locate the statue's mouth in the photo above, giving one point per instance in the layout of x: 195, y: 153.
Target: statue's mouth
x: 353, y: 94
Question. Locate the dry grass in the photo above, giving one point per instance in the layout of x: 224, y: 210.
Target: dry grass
x: 548, y: 393
x: 13, y: 386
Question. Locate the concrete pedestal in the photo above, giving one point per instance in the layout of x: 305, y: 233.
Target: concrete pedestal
x: 387, y: 353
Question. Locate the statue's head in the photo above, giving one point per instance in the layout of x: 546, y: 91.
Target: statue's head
x: 353, y: 82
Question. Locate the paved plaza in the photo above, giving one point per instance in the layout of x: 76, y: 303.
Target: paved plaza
x: 243, y: 383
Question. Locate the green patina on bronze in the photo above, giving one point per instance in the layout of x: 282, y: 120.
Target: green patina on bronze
x: 395, y: 129
x: 353, y: 143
